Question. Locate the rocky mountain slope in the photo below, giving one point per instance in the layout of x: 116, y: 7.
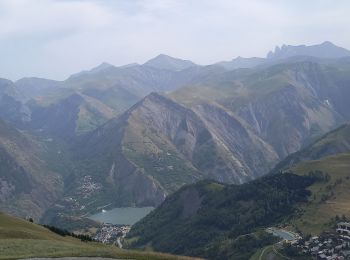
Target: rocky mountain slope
x: 27, y: 185
x: 287, y: 105
x: 156, y: 147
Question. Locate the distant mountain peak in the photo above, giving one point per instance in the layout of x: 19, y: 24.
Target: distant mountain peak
x: 324, y: 50
x: 328, y: 43
x: 163, y: 61
x: 102, y: 66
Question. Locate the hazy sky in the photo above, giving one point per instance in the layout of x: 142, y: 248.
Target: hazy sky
x: 55, y: 38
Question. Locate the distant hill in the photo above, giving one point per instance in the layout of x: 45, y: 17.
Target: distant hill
x: 323, y: 50
x: 22, y: 239
x: 166, y: 62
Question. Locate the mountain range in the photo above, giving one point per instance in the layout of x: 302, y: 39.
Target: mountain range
x: 136, y: 134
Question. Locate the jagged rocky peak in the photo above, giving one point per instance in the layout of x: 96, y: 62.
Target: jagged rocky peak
x: 324, y: 50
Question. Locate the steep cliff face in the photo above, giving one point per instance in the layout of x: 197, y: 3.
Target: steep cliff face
x: 206, y: 139
x: 288, y: 118
x: 245, y: 154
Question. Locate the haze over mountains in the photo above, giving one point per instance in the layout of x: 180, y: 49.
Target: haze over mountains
x: 137, y: 133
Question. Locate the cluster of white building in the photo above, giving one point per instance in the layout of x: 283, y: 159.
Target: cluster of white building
x: 328, y: 246
x: 111, y: 234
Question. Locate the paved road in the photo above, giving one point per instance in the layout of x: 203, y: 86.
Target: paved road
x: 74, y: 258
x: 262, y: 253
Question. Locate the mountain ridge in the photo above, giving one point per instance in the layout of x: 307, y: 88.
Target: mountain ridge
x: 163, y: 61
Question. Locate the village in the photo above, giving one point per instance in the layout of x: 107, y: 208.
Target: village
x: 331, y: 245
x: 112, y: 234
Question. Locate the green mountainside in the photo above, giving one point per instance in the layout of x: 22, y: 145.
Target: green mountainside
x: 329, y: 200
x: 207, y: 219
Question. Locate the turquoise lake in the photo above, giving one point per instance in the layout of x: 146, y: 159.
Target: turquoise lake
x: 122, y: 216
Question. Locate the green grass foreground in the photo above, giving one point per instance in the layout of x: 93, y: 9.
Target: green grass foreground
x: 22, y: 239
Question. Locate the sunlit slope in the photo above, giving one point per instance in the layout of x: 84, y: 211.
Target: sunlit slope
x: 329, y: 198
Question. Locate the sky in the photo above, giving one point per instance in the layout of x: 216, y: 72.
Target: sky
x: 56, y: 38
